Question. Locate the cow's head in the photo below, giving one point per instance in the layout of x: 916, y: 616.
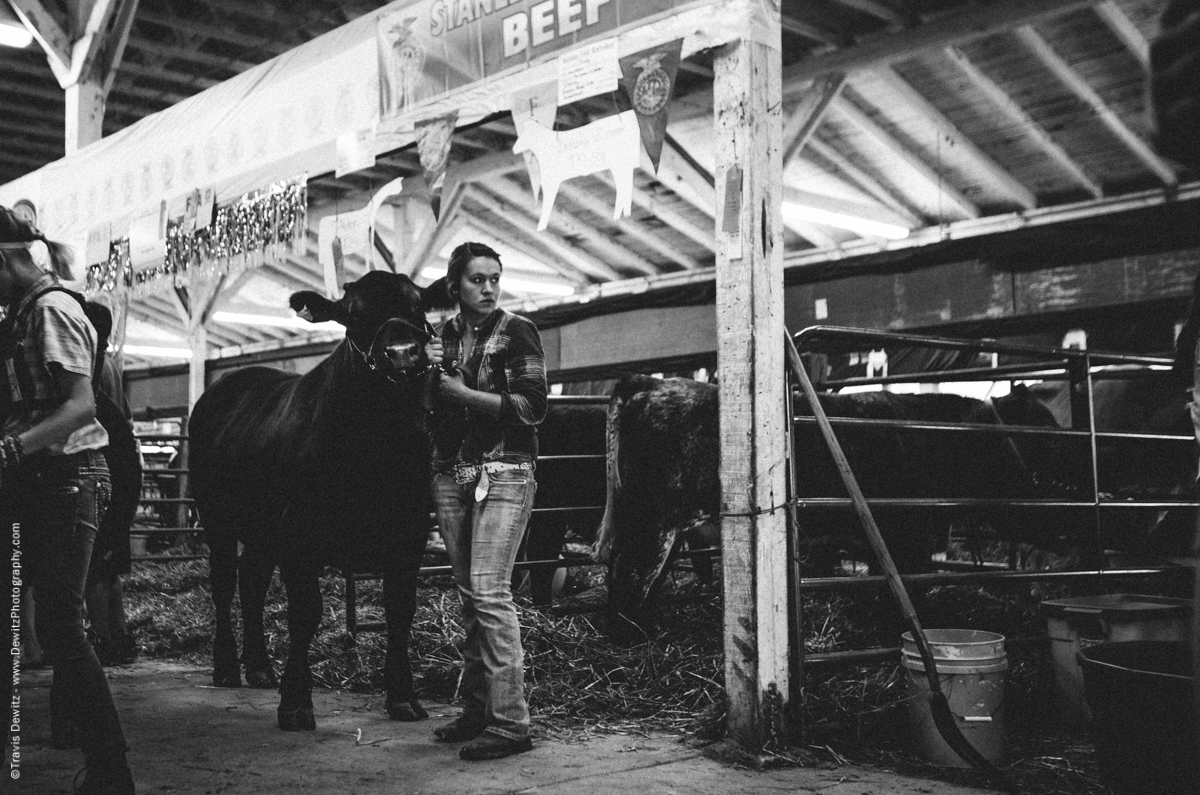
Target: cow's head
x: 384, y: 316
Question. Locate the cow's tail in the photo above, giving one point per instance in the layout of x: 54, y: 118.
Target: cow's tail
x: 604, y: 535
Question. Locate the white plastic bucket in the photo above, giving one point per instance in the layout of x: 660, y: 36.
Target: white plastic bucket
x: 971, y: 666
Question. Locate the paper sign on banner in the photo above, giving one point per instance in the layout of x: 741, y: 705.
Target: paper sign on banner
x: 98, y: 241
x: 539, y: 103
x: 145, y: 246
x: 204, y: 210
x: 191, y: 211
x: 339, y: 236
x: 355, y: 151
x: 587, y: 71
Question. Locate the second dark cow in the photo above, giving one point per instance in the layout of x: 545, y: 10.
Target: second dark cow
x: 663, y: 473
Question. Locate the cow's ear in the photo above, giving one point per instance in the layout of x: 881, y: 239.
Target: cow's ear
x: 316, y: 308
x: 437, y: 296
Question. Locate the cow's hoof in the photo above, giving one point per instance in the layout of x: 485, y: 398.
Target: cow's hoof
x: 297, y: 720
x: 410, y: 710
x: 227, y: 678
x: 263, y: 680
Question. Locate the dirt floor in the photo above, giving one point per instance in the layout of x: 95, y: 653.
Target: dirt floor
x: 189, y: 737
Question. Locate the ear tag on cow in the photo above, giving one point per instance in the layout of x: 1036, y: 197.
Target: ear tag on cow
x: 481, y: 488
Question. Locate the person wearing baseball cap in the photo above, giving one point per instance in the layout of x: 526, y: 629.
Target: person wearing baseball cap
x: 54, y: 481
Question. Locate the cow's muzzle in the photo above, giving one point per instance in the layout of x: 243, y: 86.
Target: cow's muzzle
x: 397, y: 351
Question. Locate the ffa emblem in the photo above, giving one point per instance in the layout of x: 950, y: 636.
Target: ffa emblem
x: 653, y: 86
x: 408, y: 56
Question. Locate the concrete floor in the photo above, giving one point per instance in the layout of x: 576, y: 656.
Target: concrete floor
x: 187, y: 737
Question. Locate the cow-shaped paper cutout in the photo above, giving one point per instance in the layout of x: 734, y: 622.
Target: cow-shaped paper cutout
x: 608, y: 144
x: 540, y: 103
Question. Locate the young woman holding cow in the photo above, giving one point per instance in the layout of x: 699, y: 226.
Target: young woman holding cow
x: 54, y: 482
x: 484, y: 449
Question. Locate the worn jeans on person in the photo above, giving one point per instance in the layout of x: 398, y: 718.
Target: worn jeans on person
x: 482, y: 539
x: 58, y: 501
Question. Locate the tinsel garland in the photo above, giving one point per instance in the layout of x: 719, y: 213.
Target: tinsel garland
x: 249, y: 228
x: 116, y: 270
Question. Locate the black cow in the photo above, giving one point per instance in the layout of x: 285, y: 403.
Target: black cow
x: 1128, y: 469
x: 329, y: 468
x: 664, y: 455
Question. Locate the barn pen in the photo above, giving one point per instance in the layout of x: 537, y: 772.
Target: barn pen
x: 674, y: 184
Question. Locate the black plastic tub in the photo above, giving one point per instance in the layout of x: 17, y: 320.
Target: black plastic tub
x: 1140, y: 696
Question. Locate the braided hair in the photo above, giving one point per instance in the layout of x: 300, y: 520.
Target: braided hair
x: 460, y: 258
x: 18, y: 235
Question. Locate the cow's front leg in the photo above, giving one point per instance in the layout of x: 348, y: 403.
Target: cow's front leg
x: 635, y: 567
x: 400, y: 605
x: 304, y: 616
x: 254, y: 579
x: 222, y: 578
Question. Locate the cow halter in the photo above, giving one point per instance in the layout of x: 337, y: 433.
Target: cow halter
x: 376, y: 358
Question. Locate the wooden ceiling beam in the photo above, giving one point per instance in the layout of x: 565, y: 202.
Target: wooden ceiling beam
x: 851, y: 113
x: 628, y: 227
x: 51, y: 35
x: 175, y: 53
x: 1084, y: 91
x: 182, y: 79
x: 670, y: 216
x: 523, y: 202
x: 807, y: 115
x: 879, y: 10
x: 113, y: 52
x: 865, y: 182
x: 1009, y: 185
x: 1125, y: 29
x: 1023, y: 122
x: 585, y: 267
x: 562, y: 258
x: 808, y: 30
x: 970, y: 23
x: 42, y: 131
x: 264, y: 42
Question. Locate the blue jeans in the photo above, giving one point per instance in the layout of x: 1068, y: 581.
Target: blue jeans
x: 57, y: 500
x: 482, y: 539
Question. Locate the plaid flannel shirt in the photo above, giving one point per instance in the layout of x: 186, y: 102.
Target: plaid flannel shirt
x: 55, y: 334
x: 506, y: 359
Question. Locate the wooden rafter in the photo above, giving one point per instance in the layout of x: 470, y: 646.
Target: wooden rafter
x: 1023, y: 121
x: 999, y: 176
x: 1082, y: 89
x: 807, y: 115
x: 880, y: 10
x: 553, y: 254
x: 592, y: 267
x: 961, y: 26
x: 866, y: 183
x: 522, y: 201
x: 882, y: 137
x: 45, y: 28
x: 627, y: 227
x: 1125, y: 29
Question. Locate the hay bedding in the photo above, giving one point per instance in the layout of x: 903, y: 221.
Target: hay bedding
x: 580, y: 684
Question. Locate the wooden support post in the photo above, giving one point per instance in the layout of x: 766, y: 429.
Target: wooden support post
x: 747, y: 94
x: 84, y: 114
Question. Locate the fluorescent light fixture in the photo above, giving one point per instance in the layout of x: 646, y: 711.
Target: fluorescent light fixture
x: 520, y: 285
x: 851, y: 223
x: 156, y: 352
x: 14, y: 34
x: 239, y: 318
